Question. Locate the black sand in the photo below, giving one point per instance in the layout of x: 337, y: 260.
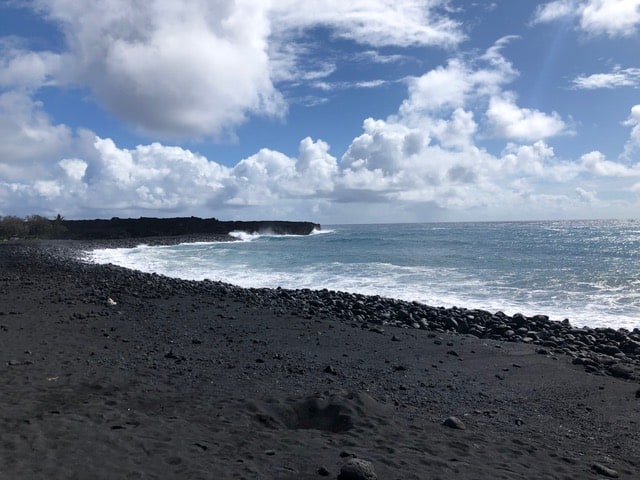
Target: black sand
x: 113, y: 374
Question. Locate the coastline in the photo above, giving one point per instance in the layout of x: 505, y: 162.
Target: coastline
x: 133, y: 375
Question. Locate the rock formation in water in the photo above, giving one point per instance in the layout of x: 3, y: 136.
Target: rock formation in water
x: 169, y: 227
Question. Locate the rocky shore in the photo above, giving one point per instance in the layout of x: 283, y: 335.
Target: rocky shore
x: 112, y: 373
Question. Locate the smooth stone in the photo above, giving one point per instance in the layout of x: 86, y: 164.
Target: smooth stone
x: 454, y: 422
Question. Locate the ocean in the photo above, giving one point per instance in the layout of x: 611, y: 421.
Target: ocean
x: 586, y: 271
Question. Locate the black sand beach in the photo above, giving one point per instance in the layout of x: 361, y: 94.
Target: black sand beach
x: 112, y: 374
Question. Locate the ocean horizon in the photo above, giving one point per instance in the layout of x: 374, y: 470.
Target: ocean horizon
x: 587, y: 271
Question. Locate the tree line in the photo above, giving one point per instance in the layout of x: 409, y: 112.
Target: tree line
x: 32, y: 226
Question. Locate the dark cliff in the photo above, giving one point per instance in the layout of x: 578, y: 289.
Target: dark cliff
x: 169, y: 227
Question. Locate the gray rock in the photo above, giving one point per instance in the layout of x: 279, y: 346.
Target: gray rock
x: 323, y: 471
x: 606, y: 471
x: 357, y: 469
x: 454, y: 422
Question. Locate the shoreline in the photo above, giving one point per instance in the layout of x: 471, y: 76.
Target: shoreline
x: 181, y: 379
x: 591, y: 346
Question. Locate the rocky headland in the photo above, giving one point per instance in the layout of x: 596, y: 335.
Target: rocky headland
x: 120, y: 228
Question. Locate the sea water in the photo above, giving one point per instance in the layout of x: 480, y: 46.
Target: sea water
x: 586, y: 271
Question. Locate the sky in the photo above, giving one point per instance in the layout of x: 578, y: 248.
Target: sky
x: 367, y: 111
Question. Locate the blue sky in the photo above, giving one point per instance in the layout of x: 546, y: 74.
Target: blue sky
x: 332, y: 111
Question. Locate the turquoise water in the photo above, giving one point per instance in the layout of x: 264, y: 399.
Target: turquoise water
x: 586, y: 271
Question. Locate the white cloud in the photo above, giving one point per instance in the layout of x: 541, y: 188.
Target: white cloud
x: 458, y: 131
x: 553, y: 11
x: 74, y: 168
x: 372, y: 22
x: 458, y: 84
x: 28, y: 136
x: 443, y: 87
x: 23, y: 69
x: 529, y: 160
x: 632, y: 147
x: 610, y: 17
x: 333, y: 86
x: 512, y: 122
x: 390, y: 163
x: 618, y: 77
x: 586, y: 196
x: 193, y: 68
x: 596, y: 163
x: 614, y: 18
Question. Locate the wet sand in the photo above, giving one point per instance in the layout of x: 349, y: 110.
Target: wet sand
x: 110, y: 374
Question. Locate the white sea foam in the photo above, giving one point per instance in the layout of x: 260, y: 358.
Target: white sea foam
x: 321, y: 231
x: 244, y: 236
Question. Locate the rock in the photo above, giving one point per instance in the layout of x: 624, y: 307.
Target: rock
x: 357, y: 469
x: 606, y: 471
x: 323, y: 472
x: 345, y: 454
x: 330, y: 369
x: 609, y: 349
x: 455, y: 423
x: 451, y: 324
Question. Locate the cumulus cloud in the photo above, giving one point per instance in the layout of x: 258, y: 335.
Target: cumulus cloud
x: 632, y: 147
x: 270, y: 176
x: 28, y: 136
x: 459, y: 82
x: 614, y: 18
x: 74, y: 168
x: 175, y: 69
x: 610, y: 17
x: 586, y: 196
x: 618, y: 77
x: 512, y: 122
x: 471, y: 84
x: 596, y: 163
x: 24, y: 69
